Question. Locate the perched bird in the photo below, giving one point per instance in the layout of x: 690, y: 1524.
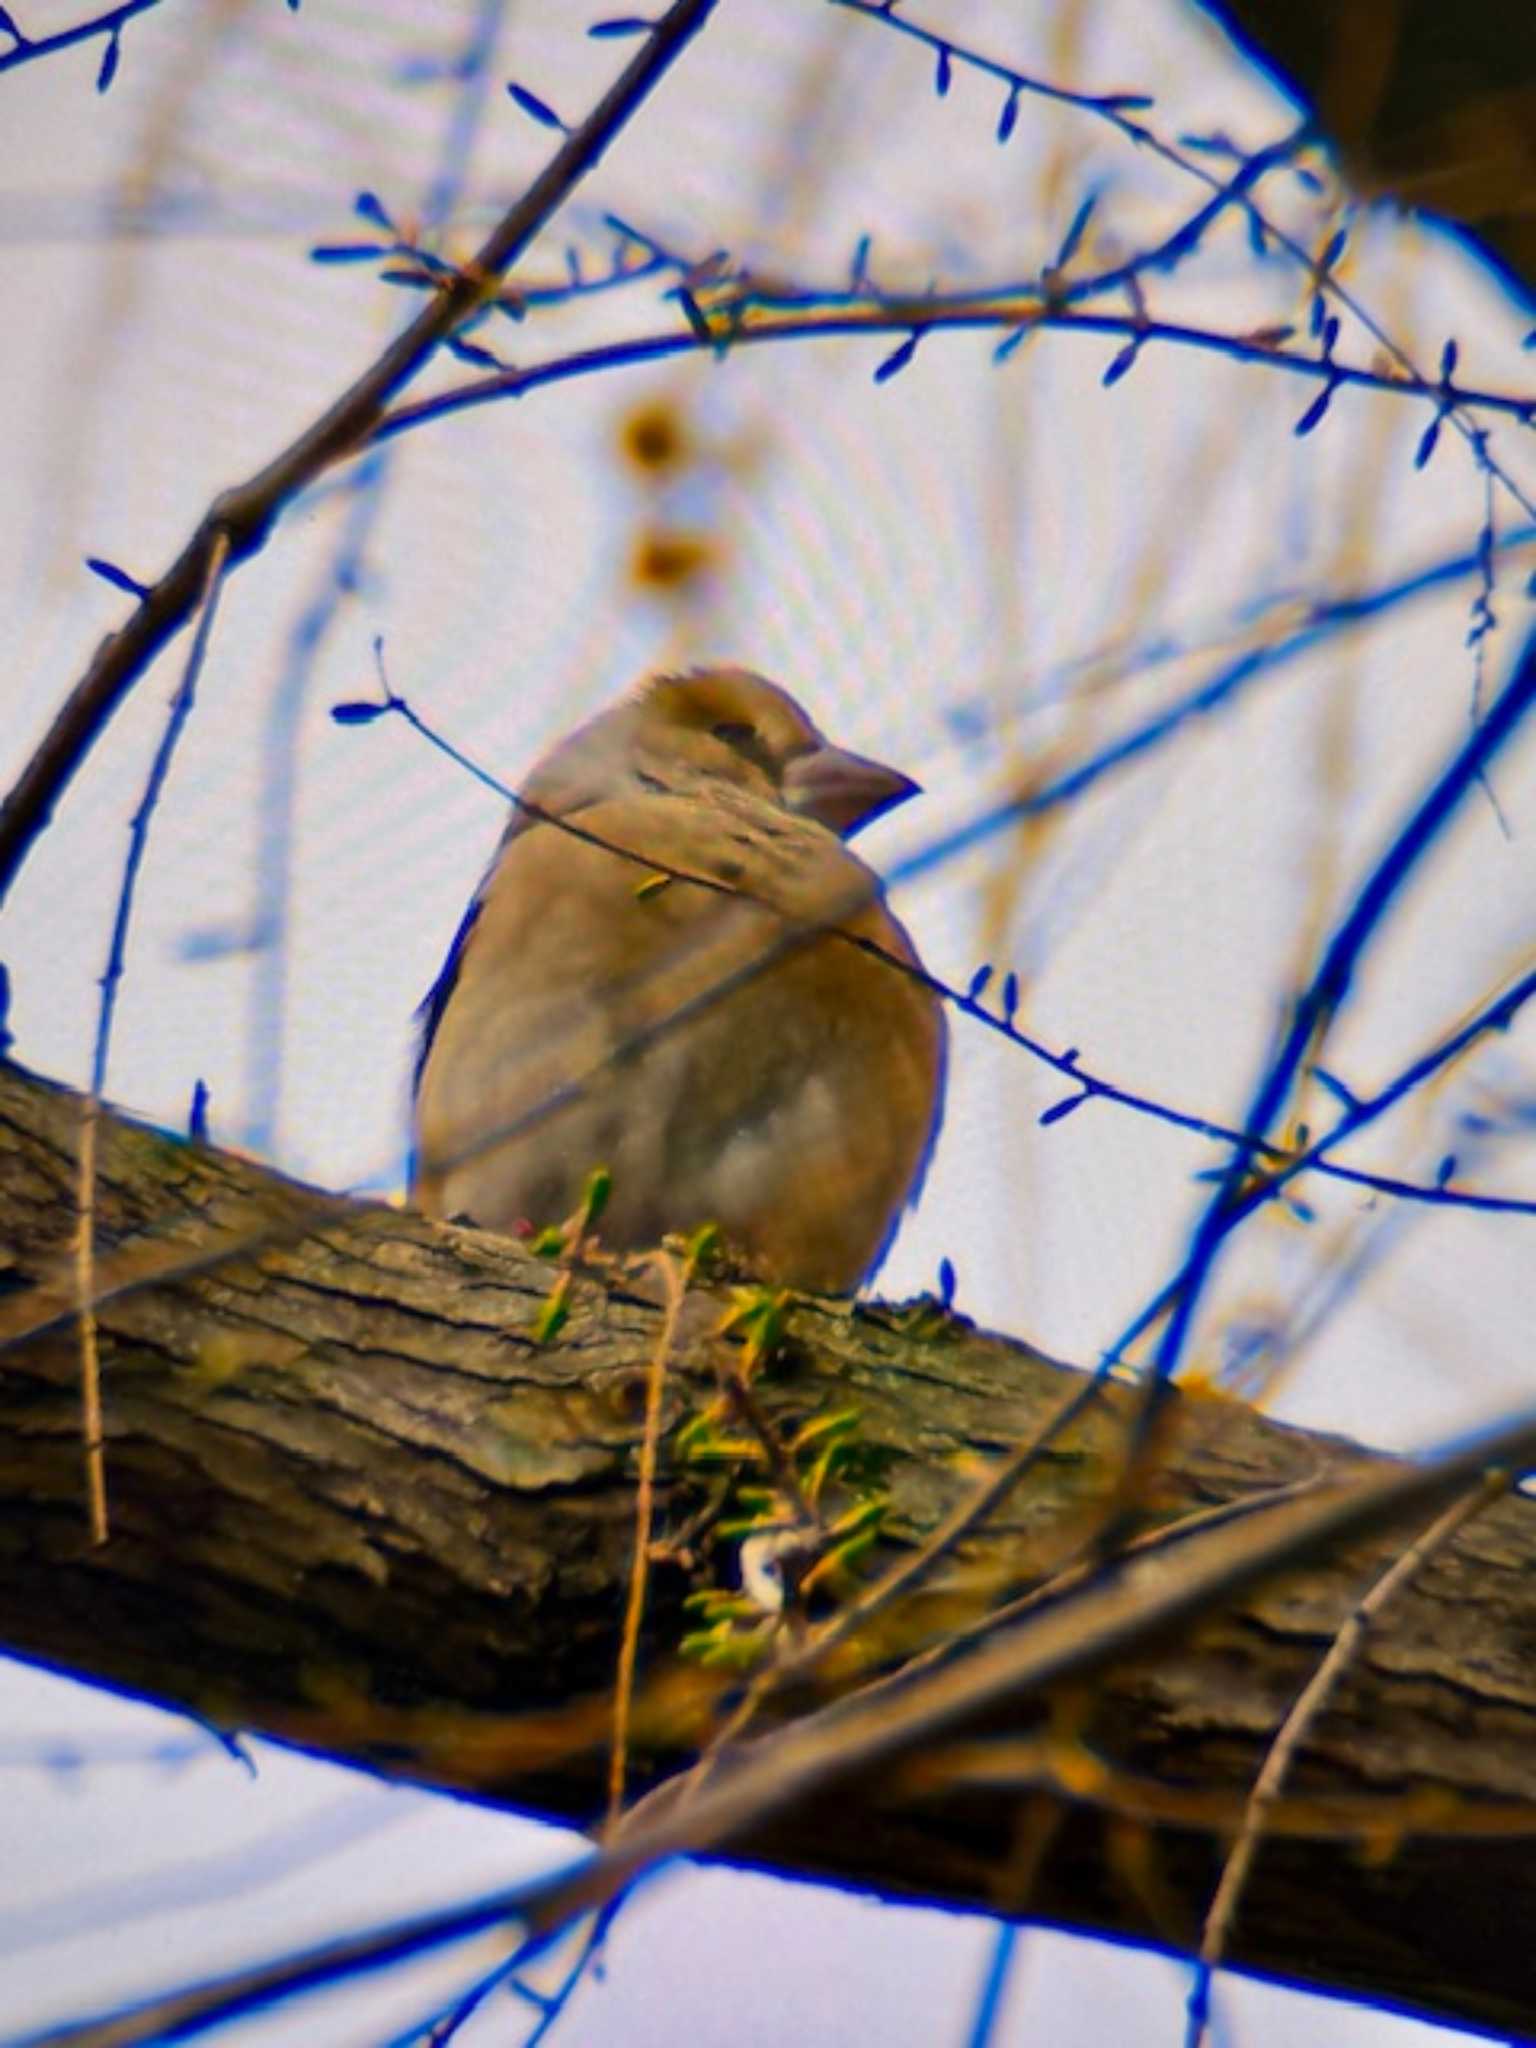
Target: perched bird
x: 600, y: 1008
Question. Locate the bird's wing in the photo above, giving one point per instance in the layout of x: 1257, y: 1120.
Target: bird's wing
x: 429, y: 1010
x: 583, y: 770
x: 432, y: 1005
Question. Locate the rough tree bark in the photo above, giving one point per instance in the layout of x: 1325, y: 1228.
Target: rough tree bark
x: 354, y: 1505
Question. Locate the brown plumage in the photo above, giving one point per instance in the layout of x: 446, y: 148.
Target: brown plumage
x: 797, y: 1109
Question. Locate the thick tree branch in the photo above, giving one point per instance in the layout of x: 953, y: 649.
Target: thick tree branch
x: 355, y: 1506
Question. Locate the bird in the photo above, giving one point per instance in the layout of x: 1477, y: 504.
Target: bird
x: 676, y: 970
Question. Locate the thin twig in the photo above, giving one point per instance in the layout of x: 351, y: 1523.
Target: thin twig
x: 994, y: 1985
x: 1325, y: 994
x: 976, y: 312
x: 27, y: 49
x: 1124, y: 1608
x: 90, y: 1107
x: 1496, y: 1016
x: 139, y: 1265
x: 904, y: 1578
x: 90, y: 1351
x: 1117, y: 109
x: 1072, y: 1573
x: 674, y: 1277
x: 1064, y: 1579
x: 288, y: 1211
x: 557, y: 2000
x: 246, y: 514
x: 550, y: 2005
x: 1077, y: 1569
x: 1293, y: 1730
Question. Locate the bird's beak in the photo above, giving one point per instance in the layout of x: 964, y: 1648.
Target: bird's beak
x: 844, y: 791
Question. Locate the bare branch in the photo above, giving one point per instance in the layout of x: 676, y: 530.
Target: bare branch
x: 1293, y: 1732
x: 246, y: 513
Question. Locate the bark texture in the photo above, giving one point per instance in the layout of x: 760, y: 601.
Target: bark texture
x: 355, y: 1505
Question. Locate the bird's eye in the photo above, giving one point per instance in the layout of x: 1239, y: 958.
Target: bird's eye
x: 734, y: 733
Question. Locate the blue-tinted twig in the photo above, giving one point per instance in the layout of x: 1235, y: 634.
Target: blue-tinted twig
x: 1484, y: 619
x: 969, y: 1002
x: 138, y: 830
x: 111, y: 982
x: 408, y: 264
x: 1328, y: 990
x: 264, y: 931
x: 241, y: 519
x: 27, y: 49
x: 66, y: 1757
x: 1320, y: 615
x: 271, y: 1858
x: 1263, y: 1186
x: 1300, y: 1719
x: 1217, y: 690
x: 989, y: 2004
x: 724, y: 294
x: 555, y: 2002
x: 1115, y: 108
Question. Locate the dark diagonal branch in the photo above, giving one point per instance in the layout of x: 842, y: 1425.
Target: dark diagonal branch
x: 245, y: 514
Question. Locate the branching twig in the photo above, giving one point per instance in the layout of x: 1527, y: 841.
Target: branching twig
x: 293, y: 1210
x: 1117, y: 109
x: 1289, y: 1162
x: 904, y: 1578
x: 974, y: 311
x: 245, y: 514
x: 1293, y: 1731
x: 1257, y: 1188
x: 27, y: 49
x: 90, y: 1108
x: 1320, y: 1001
x: 1077, y: 1570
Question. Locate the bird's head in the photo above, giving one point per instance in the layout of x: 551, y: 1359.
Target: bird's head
x: 728, y: 725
